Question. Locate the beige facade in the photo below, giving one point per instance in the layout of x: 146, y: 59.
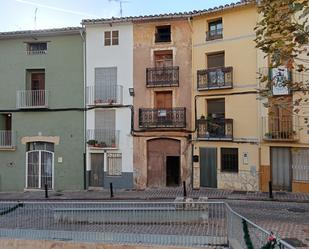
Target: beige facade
x: 224, y: 83
x: 162, y: 102
x: 284, y: 134
x: 239, y: 143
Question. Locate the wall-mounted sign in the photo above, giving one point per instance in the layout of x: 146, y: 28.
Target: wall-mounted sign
x: 279, y: 78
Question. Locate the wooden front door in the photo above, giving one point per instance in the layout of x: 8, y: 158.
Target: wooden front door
x: 159, y: 152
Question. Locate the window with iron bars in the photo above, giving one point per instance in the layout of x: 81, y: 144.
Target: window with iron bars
x: 229, y: 160
x: 114, y: 163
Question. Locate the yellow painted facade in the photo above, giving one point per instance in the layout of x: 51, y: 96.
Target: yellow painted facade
x: 258, y: 157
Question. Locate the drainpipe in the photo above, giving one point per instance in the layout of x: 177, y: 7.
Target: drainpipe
x: 84, y: 104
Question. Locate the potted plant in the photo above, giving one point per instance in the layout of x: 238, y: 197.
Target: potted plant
x: 268, y: 135
x: 102, y: 145
x: 113, y: 143
x: 92, y: 142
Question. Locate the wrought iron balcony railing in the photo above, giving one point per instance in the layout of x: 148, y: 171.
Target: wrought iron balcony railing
x: 214, y: 34
x: 162, y: 76
x: 215, y: 78
x: 162, y: 118
x: 28, y: 99
x: 215, y: 129
x: 282, y: 128
x: 105, y: 95
x: 103, y: 138
x: 7, y: 139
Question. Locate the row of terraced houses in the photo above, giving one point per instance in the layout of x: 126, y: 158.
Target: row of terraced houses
x: 148, y: 101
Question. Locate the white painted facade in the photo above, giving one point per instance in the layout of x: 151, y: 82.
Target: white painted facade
x: 121, y: 56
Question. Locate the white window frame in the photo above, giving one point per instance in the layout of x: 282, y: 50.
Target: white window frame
x: 40, y: 165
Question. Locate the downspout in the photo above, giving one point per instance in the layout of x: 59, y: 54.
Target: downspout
x: 84, y: 103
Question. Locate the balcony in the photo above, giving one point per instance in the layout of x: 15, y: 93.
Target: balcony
x: 32, y: 99
x: 214, y: 34
x: 162, y: 76
x: 103, y: 138
x: 105, y: 95
x: 215, y: 129
x: 162, y: 118
x: 280, y: 129
x: 7, y: 139
x: 215, y: 78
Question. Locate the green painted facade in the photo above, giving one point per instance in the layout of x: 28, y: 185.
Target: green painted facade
x: 63, y: 65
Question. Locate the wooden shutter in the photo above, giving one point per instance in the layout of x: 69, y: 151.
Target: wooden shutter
x: 215, y: 60
x: 164, y: 100
x: 105, y: 119
x: 106, y: 76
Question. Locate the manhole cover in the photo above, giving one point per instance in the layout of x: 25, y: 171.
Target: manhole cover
x: 294, y: 242
x: 297, y: 210
x: 58, y: 194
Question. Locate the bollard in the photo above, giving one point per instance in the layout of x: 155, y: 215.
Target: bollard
x: 270, y: 187
x: 111, y: 189
x: 46, y: 191
x: 184, y: 189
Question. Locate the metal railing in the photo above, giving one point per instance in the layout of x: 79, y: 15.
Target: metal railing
x: 215, y: 129
x: 162, y: 118
x: 215, y: 78
x: 36, y: 52
x: 243, y: 233
x: 284, y: 128
x: 105, y: 95
x: 103, y: 138
x: 214, y: 34
x: 162, y: 76
x: 188, y: 224
x: 32, y: 99
x: 7, y: 139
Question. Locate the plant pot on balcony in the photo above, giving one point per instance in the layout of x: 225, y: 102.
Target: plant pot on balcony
x: 101, y: 145
x: 269, y: 135
x: 92, y: 142
x: 98, y: 101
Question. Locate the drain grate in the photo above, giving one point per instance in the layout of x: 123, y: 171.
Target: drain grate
x: 239, y: 192
x: 280, y: 193
x: 294, y: 242
x: 297, y: 210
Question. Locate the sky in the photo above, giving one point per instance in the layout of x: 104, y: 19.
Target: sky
x: 20, y: 14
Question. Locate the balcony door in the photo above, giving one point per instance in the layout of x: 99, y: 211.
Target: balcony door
x: 163, y: 58
x: 216, y: 76
x: 163, y: 105
x: 36, y: 89
x: 216, y: 117
x: 105, y: 85
x: 281, y: 119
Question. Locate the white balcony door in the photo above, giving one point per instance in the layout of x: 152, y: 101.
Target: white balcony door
x: 106, y: 85
x: 39, y: 169
x: 105, y: 127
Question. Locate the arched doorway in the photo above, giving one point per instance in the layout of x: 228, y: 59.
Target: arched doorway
x: 163, y: 162
x: 40, y: 165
